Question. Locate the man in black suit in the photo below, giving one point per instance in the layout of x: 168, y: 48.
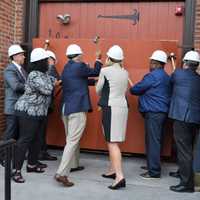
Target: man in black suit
x: 185, y: 111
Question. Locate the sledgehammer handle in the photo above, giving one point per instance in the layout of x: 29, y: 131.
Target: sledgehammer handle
x: 172, y: 56
x: 96, y: 42
x: 46, y: 44
x: 130, y: 82
x: 173, y: 64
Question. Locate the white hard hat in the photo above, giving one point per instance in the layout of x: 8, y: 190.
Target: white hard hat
x: 192, y: 56
x: 51, y: 54
x: 15, y: 49
x: 73, y: 49
x: 159, y: 55
x: 116, y: 52
x: 38, y: 54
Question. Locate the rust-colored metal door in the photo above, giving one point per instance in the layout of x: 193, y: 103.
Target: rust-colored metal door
x: 136, y: 62
x: 153, y: 25
x: 153, y: 20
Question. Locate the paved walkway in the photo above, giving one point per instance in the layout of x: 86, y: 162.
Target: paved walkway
x: 89, y: 185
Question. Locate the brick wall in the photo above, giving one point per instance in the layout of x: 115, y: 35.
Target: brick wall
x: 197, y: 26
x: 11, y: 31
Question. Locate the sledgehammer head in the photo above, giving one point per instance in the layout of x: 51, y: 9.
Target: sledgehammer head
x: 172, y: 55
x: 96, y: 39
x: 47, y: 42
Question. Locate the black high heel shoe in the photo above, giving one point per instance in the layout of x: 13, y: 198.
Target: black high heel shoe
x: 113, y: 176
x: 120, y: 184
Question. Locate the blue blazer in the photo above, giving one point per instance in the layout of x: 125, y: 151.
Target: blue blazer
x: 154, y: 92
x: 75, y: 86
x: 185, y: 101
x: 14, y: 84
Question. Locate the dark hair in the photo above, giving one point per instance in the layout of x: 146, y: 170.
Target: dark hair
x: 114, y: 60
x: 41, y: 65
x: 52, y: 58
x: 161, y: 63
x: 158, y: 64
x: 11, y: 58
x: 192, y: 64
x: 72, y: 56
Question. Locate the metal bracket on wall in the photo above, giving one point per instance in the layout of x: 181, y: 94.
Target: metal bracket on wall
x: 135, y: 17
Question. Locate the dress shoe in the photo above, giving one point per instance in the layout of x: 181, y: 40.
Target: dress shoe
x: 41, y: 165
x: 174, y: 174
x: 64, y: 180
x: 113, y: 176
x: 2, y: 163
x: 46, y: 156
x: 146, y: 175
x: 197, y: 181
x: 144, y: 167
x: 79, y: 168
x: 35, y: 169
x: 181, y: 188
x: 120, y: 184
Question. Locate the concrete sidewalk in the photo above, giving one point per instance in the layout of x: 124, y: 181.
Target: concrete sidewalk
x: 89, y: 185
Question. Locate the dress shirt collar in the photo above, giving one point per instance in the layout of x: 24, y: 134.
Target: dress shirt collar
x: 17, y: 65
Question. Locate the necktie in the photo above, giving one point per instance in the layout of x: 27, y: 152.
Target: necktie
x: 23, y: 72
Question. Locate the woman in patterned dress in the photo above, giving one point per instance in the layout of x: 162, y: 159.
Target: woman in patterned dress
x: 31, y: 109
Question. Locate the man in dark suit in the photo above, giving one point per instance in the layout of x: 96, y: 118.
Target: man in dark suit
x: 185, y: 111
x: 14, y: 83
x: 75, y: 104
x: 196, y: 163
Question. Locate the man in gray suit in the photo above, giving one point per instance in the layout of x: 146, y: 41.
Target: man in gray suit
x: 14, y: 82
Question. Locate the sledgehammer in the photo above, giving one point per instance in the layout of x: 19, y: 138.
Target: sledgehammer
x: 172, y: 57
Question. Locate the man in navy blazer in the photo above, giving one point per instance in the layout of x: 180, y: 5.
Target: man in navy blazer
x: 14, y: 82
x: 75, y: 104
x: 154, y: 92
x: 185, y: 111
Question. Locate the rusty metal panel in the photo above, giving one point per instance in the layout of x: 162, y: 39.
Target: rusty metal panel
x: 156, y: 20
x: 137, y: 54
x: 138, y: 27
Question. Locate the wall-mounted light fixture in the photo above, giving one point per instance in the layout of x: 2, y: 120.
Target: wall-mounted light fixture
x: 64, y: 19
x: 179, y: 11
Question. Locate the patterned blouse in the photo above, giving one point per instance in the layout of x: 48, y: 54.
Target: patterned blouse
x: 37, y: 96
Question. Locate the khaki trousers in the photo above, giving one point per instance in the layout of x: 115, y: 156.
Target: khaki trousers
x: 74, y: 127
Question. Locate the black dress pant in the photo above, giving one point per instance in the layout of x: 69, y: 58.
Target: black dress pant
x: 11, y: 132
x: 154, y: 130
x: 12, y: 126
x: 29, y: 140
x: 43, y: 135
x: 184, y: 134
